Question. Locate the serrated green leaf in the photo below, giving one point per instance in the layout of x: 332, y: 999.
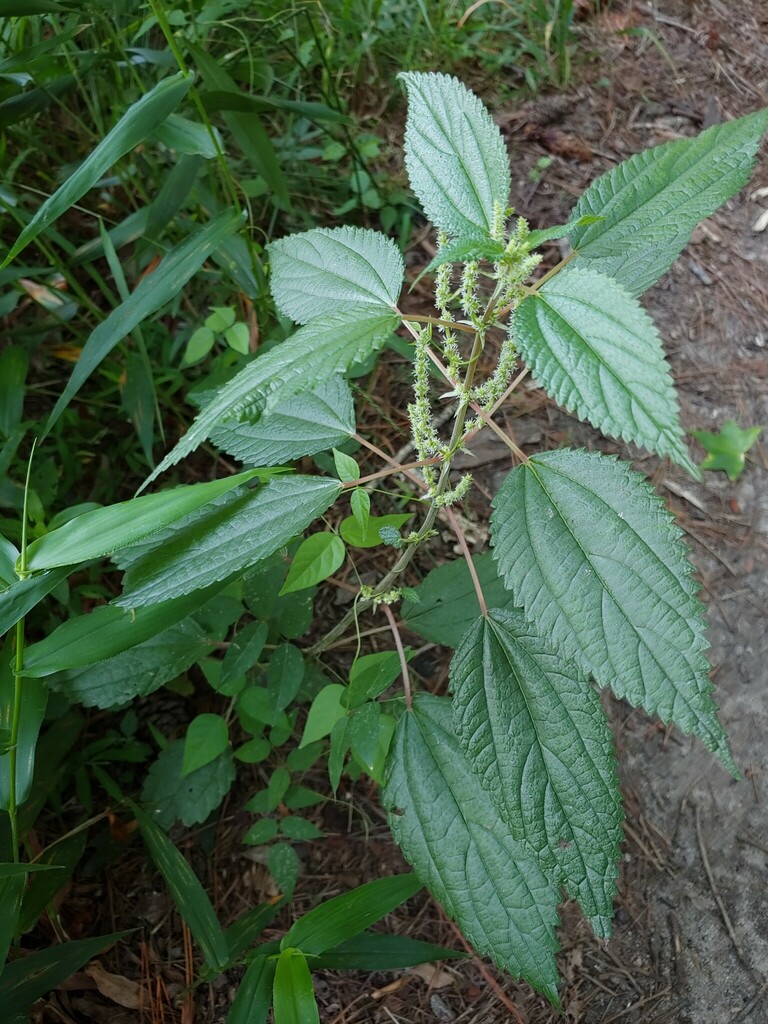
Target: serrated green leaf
x: 324, y: 348
x: 536, y: 238
x: 207, y: 737
x: 106, y: 632
x: 726, y: 449
x: 106, y: 530
x: 231, y: 539
x: 455, y: 156
x: 369, y: 538
x: 138, y: 671
x: 376, y: 951
x: 342, y: 917
x: 651, y: 203
x: 293, y: 995
x: 595, y: 560
x: 461, y: 250
x: 303, y: 424
x: 318, y: 557
x: 186, y: 891
x: 139, y: 120
x: 453, y: 836
x: 254, y: 993
x: 446, y: 601
x: 535, y: 733
x: 596, y: 351
x: 169, y: 796
x: 335, y: 270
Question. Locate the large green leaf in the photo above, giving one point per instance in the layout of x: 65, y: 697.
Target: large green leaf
x: 651, y: 203
x: 452, y: 834
x: 535, y: 732
x: 335, y: 270
x: 444, y: 604
x: 106, y: 530
x: 589, y: 551
x: 139, y: 121
x: 597, y: 352
x: 231, y: 539
x: 137, y: 671
x: 186, y: 891
x: 455, y: 156
x: 152, y: 292
x: 342, y: 917
x: 326, y: 347
x: 106, y: 632
x: 304, y: 424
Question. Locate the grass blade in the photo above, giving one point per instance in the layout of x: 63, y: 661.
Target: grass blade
x: 150, y: 295
x: 139, y: 120
x: 186, y: 891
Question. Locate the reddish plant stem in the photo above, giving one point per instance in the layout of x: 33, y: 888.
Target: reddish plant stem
x: 450, y: 515
x: 351, y: 484
x: 413, y: 477
x: 401, y: 654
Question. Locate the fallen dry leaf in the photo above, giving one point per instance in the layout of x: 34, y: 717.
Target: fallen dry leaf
x: 434, y: 976
x: 120, y: 990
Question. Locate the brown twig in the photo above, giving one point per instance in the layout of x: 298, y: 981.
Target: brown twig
x: 718, y: 898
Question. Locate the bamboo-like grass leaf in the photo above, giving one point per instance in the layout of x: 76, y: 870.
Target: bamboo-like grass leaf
x: 650, y: 204
x: 588, y: 550
x: 324, y: 348
x: 455, y: 156
x: 293, y: 994
x: 186, y: 891
x: 139, y: 121
x: 106, y: 632
x: 22, y: 595
x: 451, y: 832
x: 597, y: 352
x: 535, y: 733
x: 152, y: 292
x: 344, y: 916
x: 106, y: 530
x: 335, y: 270
x: 377, y: 951
x: 233, y: 537
x: 25, y: 980
x: 254, y: 994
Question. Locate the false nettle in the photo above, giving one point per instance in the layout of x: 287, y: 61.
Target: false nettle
x: 503, y: 796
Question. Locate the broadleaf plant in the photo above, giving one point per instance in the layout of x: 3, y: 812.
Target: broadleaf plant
x: 505, y: 793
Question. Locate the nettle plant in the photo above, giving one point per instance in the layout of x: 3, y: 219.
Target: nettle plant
x: 503, y: 795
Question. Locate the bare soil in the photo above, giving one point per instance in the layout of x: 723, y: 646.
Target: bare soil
x: 691, y: 932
